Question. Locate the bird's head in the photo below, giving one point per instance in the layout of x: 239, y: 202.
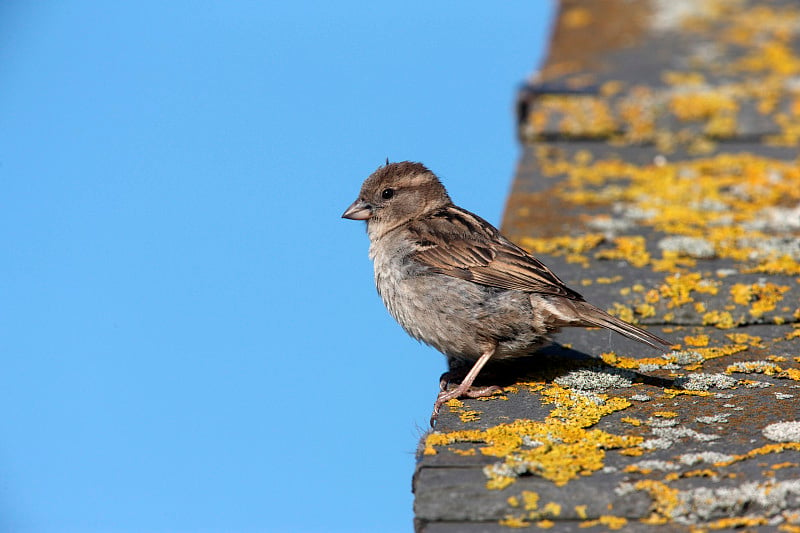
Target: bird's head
x: 397, y: 193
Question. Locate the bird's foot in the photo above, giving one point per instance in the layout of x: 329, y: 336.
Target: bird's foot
x: 449, y: 377
x: 463, y: 390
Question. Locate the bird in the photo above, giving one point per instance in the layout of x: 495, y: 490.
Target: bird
x: 454, y: 282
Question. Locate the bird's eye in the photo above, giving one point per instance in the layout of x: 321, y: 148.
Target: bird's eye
x: 387, y: 193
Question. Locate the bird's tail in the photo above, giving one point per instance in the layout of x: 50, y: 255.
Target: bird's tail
x: 590, y: 315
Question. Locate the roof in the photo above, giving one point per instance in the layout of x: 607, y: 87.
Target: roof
x: 659, y: 177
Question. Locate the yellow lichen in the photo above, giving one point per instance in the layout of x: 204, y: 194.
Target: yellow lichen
x: 581, y: 116
x: 671, y: 393
x: 737, y: 522
x: 652, y: 296
x: 629, y: 363
x: 739, y: 186
x: 467, y: 453
x: 530, y: 503
x: 514, y: 522
x: 665, y: 500
x: 499, y: 482
x: 697, y: 340
x: 791, y: 373
x: 763, y: 296
x: 787, y: 464
x: 563, y: 245
x: 744, y: 338
x: 623, y: 312
x: 716, y: 201
x: 530, y: 500
x: 784, y: 264
x: 720, y: 351
x: 678, y: 288
x: 551, y: 509
x: 632, y: 452
x: 666, y: 414
x: 703, y: 472
x: 773, y: 56
x: 610, y: 88
x: 631, y: 249
x: 758, y: 367
x: 569, y: 448
x: 719, y: 319
x: 718, y: 110
x: 454, y: 404
x: 636, y: 469
x: 763, y: 450
x: 645, y: 310
x: 469, y: 416
x: 613, y: 522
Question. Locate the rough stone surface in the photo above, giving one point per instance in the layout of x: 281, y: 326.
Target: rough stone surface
x: 659, y: 178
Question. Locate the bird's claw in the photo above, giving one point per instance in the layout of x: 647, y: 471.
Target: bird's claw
x: 465, y: 391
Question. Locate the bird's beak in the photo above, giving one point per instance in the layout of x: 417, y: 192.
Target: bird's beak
x: 359, y: 210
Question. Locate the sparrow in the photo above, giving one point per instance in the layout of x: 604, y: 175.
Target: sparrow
x: 452, y: 281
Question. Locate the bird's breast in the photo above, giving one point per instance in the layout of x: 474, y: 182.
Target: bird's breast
x: 457, y: 317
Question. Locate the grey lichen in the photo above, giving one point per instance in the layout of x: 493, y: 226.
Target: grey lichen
x: 703, y: 503
x: 596, y: 380
x: 721, y: 418
x: 783, y: 431
x: 691, y: 459
x: 655, y: 464
x: 676, y: 433
x: 705, y: 381
x: 685, y: 357
x: 695, y: 247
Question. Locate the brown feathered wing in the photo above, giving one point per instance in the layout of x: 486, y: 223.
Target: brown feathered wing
x: 457, y: 243
x: 460, y: 244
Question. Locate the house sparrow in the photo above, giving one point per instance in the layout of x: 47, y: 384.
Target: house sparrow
x: 455, y: 283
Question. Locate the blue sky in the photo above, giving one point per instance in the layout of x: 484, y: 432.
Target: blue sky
x: 190, y: 335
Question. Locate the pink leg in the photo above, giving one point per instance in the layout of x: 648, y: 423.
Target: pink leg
x: 465, y: 389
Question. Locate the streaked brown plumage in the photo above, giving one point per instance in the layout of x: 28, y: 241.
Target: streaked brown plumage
x: 454, y: 282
